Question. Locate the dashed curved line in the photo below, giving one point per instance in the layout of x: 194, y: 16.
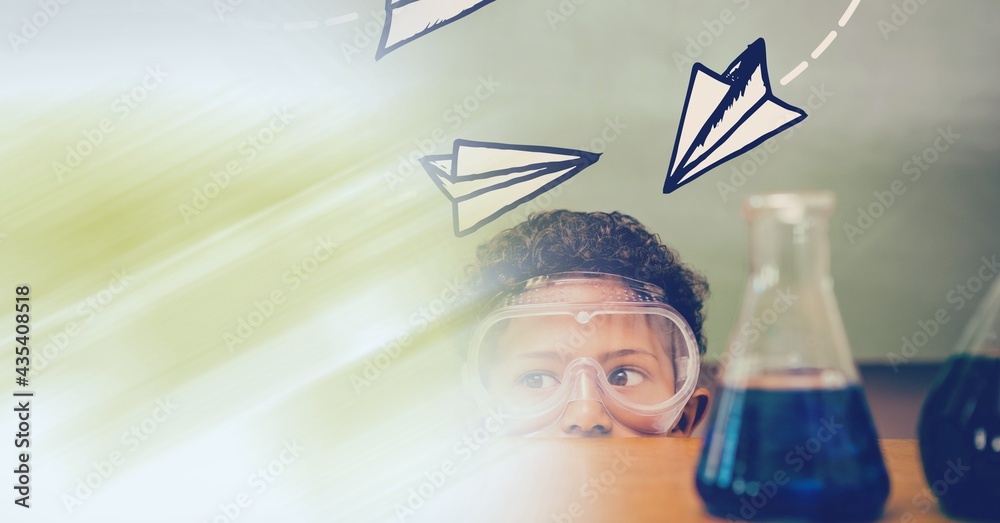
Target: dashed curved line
x: 795, y: 72
x: 350, y: 17
x: 846, y: 17
x: 850, y: 11
x: 300, y: 26
x: 823, y: 45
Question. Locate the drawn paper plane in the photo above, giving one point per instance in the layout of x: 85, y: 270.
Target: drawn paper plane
x: 407, y: 20
x: 484, y: 180
x: 726, y: 115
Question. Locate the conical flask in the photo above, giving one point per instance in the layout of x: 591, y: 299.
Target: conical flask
x: 790, y: 435
x: 959, y: 426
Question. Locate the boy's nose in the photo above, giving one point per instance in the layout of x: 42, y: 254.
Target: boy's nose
x: 585, y: 415
x: 585, y: 418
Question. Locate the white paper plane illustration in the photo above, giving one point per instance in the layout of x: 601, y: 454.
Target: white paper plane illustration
x: 726, y: 115
x: 407, y: 20
x: 484, y: 180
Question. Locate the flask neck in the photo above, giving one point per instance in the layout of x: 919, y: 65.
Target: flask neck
x: 789, y: 333
x: 789, y: 254
x: 981, y: 336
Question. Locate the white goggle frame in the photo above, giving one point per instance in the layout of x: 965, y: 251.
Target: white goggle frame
x: 584, y: 379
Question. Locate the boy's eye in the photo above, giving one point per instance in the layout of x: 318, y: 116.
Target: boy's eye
x: 539, y: 380
x: 625, y: 378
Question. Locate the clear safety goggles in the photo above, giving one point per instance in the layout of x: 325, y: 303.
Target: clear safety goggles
x: 584, y: 336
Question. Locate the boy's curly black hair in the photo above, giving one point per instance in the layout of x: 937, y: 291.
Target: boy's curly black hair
x: 614, y: 243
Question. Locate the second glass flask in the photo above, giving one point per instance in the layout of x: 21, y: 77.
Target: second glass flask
x: 790, y: 435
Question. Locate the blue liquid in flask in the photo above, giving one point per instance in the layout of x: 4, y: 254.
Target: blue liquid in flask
x: 790, y: 436
x: 959, y: 433
x: 792, y: 454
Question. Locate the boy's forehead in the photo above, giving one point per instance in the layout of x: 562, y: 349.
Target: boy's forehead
x: 594, y: 291
x: 563, y: 331
x: 540, y: 328
x: 528, y: 325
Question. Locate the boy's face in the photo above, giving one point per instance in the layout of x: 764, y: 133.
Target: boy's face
x: 527, y: 360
